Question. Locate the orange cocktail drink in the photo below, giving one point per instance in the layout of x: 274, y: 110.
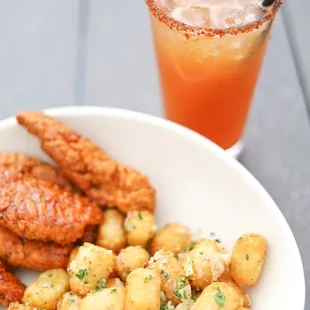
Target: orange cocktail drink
x: 209, y: 54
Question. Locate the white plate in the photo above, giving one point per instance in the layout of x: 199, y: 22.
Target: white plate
x: 197, y: 184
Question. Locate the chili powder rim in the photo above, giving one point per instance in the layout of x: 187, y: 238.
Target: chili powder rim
x: 190, y: 31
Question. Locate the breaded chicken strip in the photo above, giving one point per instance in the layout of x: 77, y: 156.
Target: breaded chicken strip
x: 43, y: 211
x: 105, y: 181
x: 11, y: 289
x: 35, y: 255
x: 14, y: 166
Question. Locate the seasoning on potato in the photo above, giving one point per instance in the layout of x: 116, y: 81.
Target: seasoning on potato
x: 48, y: 289
x: 248, y: 258
x: 207, y: 260
x: 143, y: 290
x: 173, y: 237
x: 18, y: 306
x: 105, y: 299
x: 140, y: 227
x: 90, y: 269
x: 111, y: 234
x: 69, y: 301
x: 129, y: 259
x: 217, y: 295
x: 173, y: 280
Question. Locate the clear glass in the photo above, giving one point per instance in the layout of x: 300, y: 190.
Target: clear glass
x: 208, y: 76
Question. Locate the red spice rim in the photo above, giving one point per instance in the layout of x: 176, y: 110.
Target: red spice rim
x: 190, y: 31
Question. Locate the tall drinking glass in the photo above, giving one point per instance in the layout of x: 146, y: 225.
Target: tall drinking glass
x: 209, y: 55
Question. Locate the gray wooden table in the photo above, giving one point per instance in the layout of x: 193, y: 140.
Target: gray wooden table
x: 94, y: 52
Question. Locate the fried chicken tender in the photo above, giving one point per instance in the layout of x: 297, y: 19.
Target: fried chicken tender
x: 35, y: 255
x: 43, y: 211
x: 11, y: 289
x: 14, y: 166
x: 104, y: 181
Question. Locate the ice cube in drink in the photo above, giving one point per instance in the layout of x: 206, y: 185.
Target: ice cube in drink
x: 213, y: 13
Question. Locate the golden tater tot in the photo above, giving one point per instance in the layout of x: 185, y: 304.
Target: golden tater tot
x: 106, y: 299
x: 115, y: 282
x: 111, y: 234
x: 172, y: 237
x: 73, y: 255
x: 140, y: 227
x: 217, y: 296
x: 248, y: 258
x: 129, y: 259
x: 48, y: 289
x: 90, y: 269
x: 143, y: 290
x: 206, y: 262
x: 69, y: 301
x: 18, y: 306
x: 227, y: 278
x: 173, y: 280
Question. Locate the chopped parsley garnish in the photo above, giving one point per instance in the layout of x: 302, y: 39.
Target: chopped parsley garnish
x: 181, y: 282
x: 70, y: 302
x: 247, y: 257
x: 100, y: 284
x: 201, y: 253
x: 148, y: 278
x: 113, y: 290
x: 140, y: 215
x: 190, y: 247
x: 219, y: 297
x: 82, y: 274
x: 166, y: 275
x: 212, y: 233
x: 181, y: 294
x: 218, y: 240
x: 129, y: 226
x: 50, y: 274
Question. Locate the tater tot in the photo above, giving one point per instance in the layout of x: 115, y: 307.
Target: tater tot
x: 173, y: 280
x: 143, y: 290
x: 248, y: 258
x: 73, y: 255
x: 172, y: 237
x: 90, y: 269
x: 106, y: 299
x: 69, y: 301
x: 115, y: 282
x: 227, y: 278
x: 111, y: 234
x: 205, y: 263
x: 48, y: 289
x: 217, y: 295
x: 129, y: 259
x: 18, y: 306
x: 140, y: 227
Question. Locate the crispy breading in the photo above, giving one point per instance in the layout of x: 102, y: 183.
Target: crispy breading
x: 43, y: 211
x: 105, y: 181
x: 35, y: 255
x: 11, y: 289
x: 14, y: 166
